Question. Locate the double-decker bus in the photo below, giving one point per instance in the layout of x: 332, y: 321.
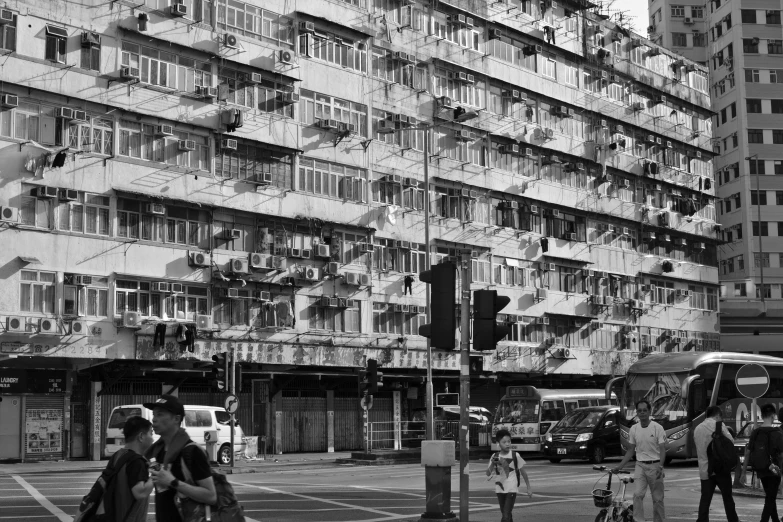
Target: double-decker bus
x: 680, y: 387
x: 528, y: 413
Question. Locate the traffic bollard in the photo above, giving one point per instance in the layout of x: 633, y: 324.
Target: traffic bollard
x: 437, y: 457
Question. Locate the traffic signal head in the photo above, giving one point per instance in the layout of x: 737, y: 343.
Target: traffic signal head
x: 374, y: 377
x: 442, y: 279
x: 364, y: 383
x: 486, y: 331
x: 238, y: 377
x: 220, y: 370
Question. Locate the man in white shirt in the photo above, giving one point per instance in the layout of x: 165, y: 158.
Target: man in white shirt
x: 647, y: 439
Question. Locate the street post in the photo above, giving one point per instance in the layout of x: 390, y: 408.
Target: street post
x: 464, y: 387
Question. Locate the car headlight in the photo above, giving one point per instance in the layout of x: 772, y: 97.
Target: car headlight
x: 582, y: 437
x: 678, y: 435
x: 549, y: 437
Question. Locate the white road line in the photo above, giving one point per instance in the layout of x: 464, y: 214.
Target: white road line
x: 316, y: 499
x: 54, y: 510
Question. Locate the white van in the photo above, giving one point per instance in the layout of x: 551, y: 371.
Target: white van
x: 198, y: 419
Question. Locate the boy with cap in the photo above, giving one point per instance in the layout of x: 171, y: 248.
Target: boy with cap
x: 174, y: 447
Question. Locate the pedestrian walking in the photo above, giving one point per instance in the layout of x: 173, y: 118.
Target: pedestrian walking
x: 170, y: 451
x: 647, y: 439
x: 505, y: 468
x: 711, y: 472
x: 764, y: 452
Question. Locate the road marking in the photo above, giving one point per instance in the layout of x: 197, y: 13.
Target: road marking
x: 317, y: 499
x: 54, y: 510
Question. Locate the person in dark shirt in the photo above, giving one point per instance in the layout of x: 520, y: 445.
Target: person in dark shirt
x: 127, y: 496
x: 769, y: 476
x: 169, y: 451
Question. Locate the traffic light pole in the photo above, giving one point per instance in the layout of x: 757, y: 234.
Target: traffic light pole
x: 464, y: 387
x: 429, y: 427
x: 232, y: 356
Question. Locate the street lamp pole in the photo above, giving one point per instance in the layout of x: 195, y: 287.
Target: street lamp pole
x: 430, y: 424
x: 755, y: 159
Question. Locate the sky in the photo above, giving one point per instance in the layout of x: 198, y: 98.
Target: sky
x: 636, y: 9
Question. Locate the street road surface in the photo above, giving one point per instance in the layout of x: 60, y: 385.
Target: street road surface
x: 377, y: 493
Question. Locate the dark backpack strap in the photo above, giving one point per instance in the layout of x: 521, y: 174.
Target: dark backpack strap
x: 718, y: 429
x: 516, y: 467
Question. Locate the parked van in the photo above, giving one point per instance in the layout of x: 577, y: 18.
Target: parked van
x: 591, y: 433
x: 198, y: 419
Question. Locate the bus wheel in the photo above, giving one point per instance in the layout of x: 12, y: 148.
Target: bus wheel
x: 668, y: 460
x: 597, y: 455
x: 555, y: 461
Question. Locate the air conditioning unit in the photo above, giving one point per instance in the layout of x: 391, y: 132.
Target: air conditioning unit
x: 206, y: 92
x: 65, y: 112
x: 688, y: 21
x: 9, y: 214
x: 279, y: 262
x: 160, y: 286
x: 131, y: 319
x: 462, y: 135
x: 256, y: 260
x: 289, y: 97
x: 80, y: 116
x: 572, y: 237
x: 187, y: 145
x: 230, y: 41
x: 365, y: 280
x: 333, y: 268
x: 229, y: 144
x: 352, y: 278
x: 366, y: 248
x: 47, y: 326
x: 328, y: 124
x: 198, y: 259
x: 130, y: 73
x: 637, y: 304
x: 164, y: 130
x: 542, y: 293
x: 445, y: 102
x: 310, y: 273
x: 178, y: 10
x: 6, y: 16
x: 295, y: 252
x: 239, y: 266
x: 532, y: 49
x: 204, y: 322
x: 46, y: 192
x: 323, y: 250
x: 306, y: 27
x: 176, y: 288
x: 542, y: 320
x: 233, y: 293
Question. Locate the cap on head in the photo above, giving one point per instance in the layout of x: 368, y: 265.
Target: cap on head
x: 169, y: 403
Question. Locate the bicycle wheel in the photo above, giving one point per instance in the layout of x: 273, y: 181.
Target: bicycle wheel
x: 628, y: 514
x: 601, y: 517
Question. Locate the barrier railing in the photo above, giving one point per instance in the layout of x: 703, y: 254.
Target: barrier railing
x: 382, y: 434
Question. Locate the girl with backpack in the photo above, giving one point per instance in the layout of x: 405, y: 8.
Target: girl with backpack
x: 505, y: 468
x: 765, y: 453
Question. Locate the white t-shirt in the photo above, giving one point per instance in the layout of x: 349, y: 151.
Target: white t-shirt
x: 647, y: 440
x: 504, y: 475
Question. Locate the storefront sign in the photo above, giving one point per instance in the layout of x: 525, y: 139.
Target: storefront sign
x: 35, y: 381
x: 52, y: 348
x: 290, y: 354
x: 43, y: 430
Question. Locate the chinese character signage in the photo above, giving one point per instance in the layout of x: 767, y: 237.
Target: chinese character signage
x: 35, y: 381
x: 43, y: 430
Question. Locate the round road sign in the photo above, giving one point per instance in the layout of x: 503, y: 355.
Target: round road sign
x: 752, y: 381
x: 232, y: 404
x: 366, y: 402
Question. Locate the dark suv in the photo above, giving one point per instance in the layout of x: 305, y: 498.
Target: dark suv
x: 585, y: 433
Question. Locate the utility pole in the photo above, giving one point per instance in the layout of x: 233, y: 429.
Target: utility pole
x: 464, y: 387
x: 232, y: 357
x: 429, y: 426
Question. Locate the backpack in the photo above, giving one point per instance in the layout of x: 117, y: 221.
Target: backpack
x: 226, y: 509
x: 721, y: 455
x: 760, y: 454
x: 515, y: 456
x: 93, y: 499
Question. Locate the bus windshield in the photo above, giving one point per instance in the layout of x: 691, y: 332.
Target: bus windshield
x: 517, y: 411
x: 663, y: 390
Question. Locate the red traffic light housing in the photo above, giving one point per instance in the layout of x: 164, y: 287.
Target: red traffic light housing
x: 220, y: 370
x: 442, y: 279
x: 374, y: 377
x: 486, y: 330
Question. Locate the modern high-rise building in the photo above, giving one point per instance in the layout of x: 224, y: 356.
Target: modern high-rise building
x: 745, y: 56
x: 683, y: 28
x: 183, y: 179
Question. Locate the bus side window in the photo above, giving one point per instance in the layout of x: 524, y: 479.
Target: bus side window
x: 697, y: 397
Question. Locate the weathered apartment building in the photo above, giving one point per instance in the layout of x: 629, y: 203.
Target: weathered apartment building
x: 249, y: 177
x: 742, y: 43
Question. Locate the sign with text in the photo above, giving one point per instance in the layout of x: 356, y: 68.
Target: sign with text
x: 43, y: 430
x: 37, y: 381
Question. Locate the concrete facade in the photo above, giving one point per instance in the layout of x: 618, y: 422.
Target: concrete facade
x: 256, y: 171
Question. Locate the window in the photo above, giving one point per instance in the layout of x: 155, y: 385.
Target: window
x: 254, y: 163
x: 778, y: 168
x: 750, y: 45
x: 254, y: 22
x: 678, y: 11
x: 334, y: 49
x: 8, y: 35
x: 757, y: 166
x: 758, y: 197
x: 774, y: 46
x: 752, y: 76
x: 314, y: 107
x: 333, y: 180
x: 88, y: 214
x: 754, y: 106
x: 36, y: 292
x: 679, y: 40
x: 322, y: 316
x: 740, y: 290
x: 755, y: 136
x: 147, y: 142
x: 767, y: 289
x: 89, y: 299
x: 777, y: 136
x: 56, y: 40
x: 748, y: 16
x: 571, y: 74
x: 96, y: 135
x: 699, y: 39
x: 549, y: 66
x: 776, y: 76
x: 91, y: 51
x: 387, y: 319
x: 697, y: 12
x: 764, y: 228
x: 777, y: 106
x: 773, y: 17
x: 166, y: 69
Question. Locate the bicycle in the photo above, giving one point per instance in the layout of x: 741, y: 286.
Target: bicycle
x: 613, y: 510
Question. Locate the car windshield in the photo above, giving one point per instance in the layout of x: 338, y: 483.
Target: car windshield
x: 663, y: 391
x: 120, y: 415
x: 580, y: 419
x: 747, y: 429
x: 517, y: 411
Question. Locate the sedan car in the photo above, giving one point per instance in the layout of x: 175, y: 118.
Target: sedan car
x: 585, y: 433
x: 743, y: 437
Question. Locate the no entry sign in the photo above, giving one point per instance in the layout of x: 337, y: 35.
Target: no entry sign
x: 752, y: 381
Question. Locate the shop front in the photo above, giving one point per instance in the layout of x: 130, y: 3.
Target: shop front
x: 33, y: 412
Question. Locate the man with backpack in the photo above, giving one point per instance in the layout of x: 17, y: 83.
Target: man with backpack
x: 717, y: 459
x: 765, y: 453
x: 181, y: 472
